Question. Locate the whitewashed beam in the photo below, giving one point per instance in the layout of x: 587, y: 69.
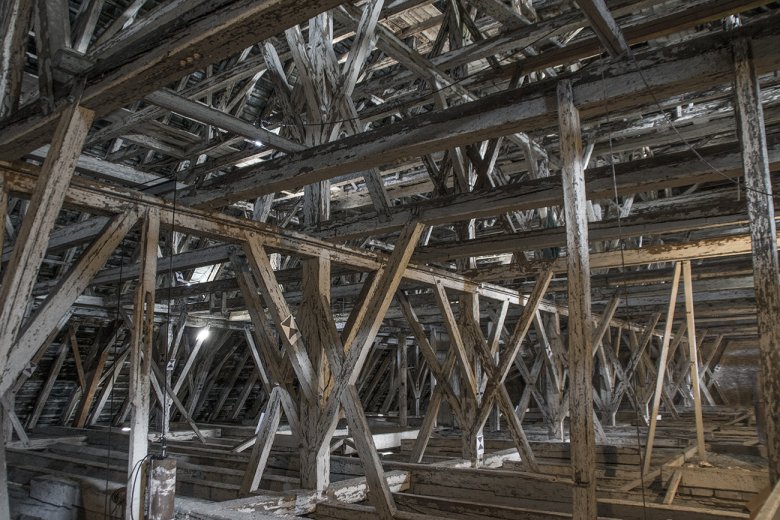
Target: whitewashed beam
x: 583, y: 444
x: 763, y: 231
x: 50, y: 313
x: 44, y: 207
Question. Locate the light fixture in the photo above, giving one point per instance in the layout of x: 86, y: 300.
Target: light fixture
x: 203, y: 334
x: 126, y: 429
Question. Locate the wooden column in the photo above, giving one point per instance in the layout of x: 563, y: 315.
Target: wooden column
x: 315, y: 445
x: 763, y: 233
x: 3, y: 211
x: 403, y: 367
x: 140, y: 365
x: 694, y: 358
x: 583, y: 443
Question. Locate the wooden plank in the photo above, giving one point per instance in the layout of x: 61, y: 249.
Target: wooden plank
x: 44, y: 206
x: 266, y: 428
x: 758, y: 185
x: 694, y: 359
x: 140, y: 365
x: 43, y: 395
x: 583, y: 444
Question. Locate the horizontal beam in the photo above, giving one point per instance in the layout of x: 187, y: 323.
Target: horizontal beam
x: 667, y: 171
x: 714, y: 213
x: 696, y: 65
x: 181, y: 105
x: 100, y: 198
x: 733, y: 245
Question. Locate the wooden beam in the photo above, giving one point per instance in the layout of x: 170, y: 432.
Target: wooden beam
x: 492, y: 116
x: 86, y: 21
x: 140, y: 366
x: 605, y: 26
x: 22, y: 270
x: 758, y: 185
x: 50, y: 313
x: 43, y: 394
x: 127, y: 76
x: 174, y: 102
x: 15, y: 16
x: 730, y: 245
x: 285, y: 322
x: 583, y: 444
x: 662, y: 367
x: 403, y: 368
x: 4, y: 505
x: 693, y: 356
x: 266, y: 431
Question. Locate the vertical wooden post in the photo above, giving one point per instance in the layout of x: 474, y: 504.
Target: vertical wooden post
x: 140, y: 365
x: 761, y: 213
x: 583, y: 442
x: 4, y: 507
x: 403, y: 366
x: 694, y: 358
x: 3, y: 211
x: 662, y: 360
x: 315, y: 444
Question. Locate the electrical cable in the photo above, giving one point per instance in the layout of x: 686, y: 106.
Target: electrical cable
x: 682, y: 138
x: 621, y: 244
x: 168, y: 368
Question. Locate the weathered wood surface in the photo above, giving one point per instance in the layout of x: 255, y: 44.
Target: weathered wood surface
x: 674, y: 73
x: 580, y: 323
x: 45, y: 203
x: 758, y: 185
x: 140, y: 365
x: 149, y: 56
